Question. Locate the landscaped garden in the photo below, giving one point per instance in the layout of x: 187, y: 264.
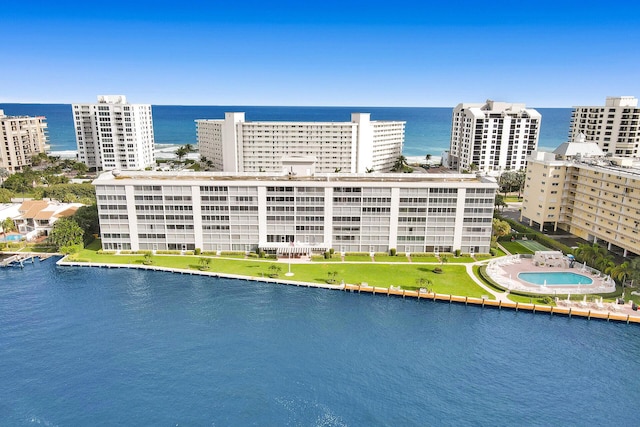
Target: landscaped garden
x: 453, y: 279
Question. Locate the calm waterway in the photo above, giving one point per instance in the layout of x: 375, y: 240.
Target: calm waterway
x: 82, y: 346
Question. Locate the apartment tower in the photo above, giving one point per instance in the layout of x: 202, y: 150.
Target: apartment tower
x: 492, y: 137
x: 361, y: 145
x: 22, y: 137
x: 615, y: 127
x: 113, y: 134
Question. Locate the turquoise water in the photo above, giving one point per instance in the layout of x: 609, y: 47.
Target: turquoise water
x: 82, y: 346
x: 555, y: 278
x: 428, y: 130
x: 11, y: 238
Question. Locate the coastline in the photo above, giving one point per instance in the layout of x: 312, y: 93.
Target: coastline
x: 491, y: 303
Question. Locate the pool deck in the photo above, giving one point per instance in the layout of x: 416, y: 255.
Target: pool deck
x: 506, y: 269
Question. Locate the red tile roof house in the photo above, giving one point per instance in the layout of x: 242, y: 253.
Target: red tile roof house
x: 38, y: 216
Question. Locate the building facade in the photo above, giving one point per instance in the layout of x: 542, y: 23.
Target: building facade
x: 595, y: 198
x: 492, y: 137
x: 21, y: 138
x: 113, y: 134
x: 361, y: 145
x: 615, y: 127
x: 279, y: 213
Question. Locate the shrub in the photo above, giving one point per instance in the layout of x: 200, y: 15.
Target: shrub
x: 437, y: 270
x: 198, y: 251
x: 458, y: 252
x: 392, y: 251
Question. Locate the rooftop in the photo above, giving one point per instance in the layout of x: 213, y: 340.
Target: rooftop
x: 321, y: 177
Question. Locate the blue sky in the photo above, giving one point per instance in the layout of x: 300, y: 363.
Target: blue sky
x: 349, y: 53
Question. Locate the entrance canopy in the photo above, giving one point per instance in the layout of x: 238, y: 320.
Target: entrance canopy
x: 293, y: 248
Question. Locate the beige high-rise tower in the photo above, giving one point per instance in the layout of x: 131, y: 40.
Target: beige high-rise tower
x: 21, y: 137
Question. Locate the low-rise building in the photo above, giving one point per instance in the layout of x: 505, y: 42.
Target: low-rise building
x: 36, y: 217
x: 578, y: 189
x: 295, y: 211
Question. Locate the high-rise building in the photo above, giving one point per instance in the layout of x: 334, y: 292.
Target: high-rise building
x: 579, y: 190
x: 21, y: 137
x: 361, y: 145
x: 113, y: 134
x: 615, y: 127
x: 283, y: 213
x: 492, y: 137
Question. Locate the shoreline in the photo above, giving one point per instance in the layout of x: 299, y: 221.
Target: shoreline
x: 497, y: 303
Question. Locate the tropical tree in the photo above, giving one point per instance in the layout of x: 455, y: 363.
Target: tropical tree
x: 205, y: 263
x: 507, y: 181
x: 5, y: 195
x: 148, y: 259
x: 423, y: 282
x: 66, y: 232
x: 189, y: 148
x: 8, y: 225
x: 499, y: 229
x: 332, y: 276
x: 18, y: 183
x: 87, y: 219
x: 622, y: 272
x: 400, y: 164
x: 274, y: 270
x: 444, y: 258
x: 80, y: 168
x: 589, y: 253
x: 499, y: 202
x: 519, y: 181
x: 181, y: 152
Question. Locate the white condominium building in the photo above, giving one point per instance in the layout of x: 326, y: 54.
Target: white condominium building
x: 113, y: 134
x: 21, y: 137
x: 280, y: 213
x: 358, y: 146
x: 492, y: 137
x: 592, y: 196
x: 615, y: 127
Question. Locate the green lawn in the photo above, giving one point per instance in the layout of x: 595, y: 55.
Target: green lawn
x: 454, y: 279
x: 460, y: 259
x: 424, y: 259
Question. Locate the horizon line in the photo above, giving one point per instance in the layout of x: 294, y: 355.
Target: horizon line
x: 261, y: 105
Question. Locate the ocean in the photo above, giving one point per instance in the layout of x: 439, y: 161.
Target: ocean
x: 91, y: 346
x: 428, y: 130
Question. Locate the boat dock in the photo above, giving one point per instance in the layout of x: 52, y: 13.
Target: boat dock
x: 484, y: 302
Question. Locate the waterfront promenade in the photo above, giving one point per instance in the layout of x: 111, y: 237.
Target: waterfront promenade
x: 493, y: 298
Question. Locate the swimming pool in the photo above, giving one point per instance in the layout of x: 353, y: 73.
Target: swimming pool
x: 555, y: 278
x: 11, y: 238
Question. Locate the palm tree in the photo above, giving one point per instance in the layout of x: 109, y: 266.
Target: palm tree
x: 8, y: 225
x: 274, y: 270
x: 189, y: 148
x: 181, y: 152
x: 423, y: 282
x: 621, y: 272
x: 400, y: 164
x: 205, y: 263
